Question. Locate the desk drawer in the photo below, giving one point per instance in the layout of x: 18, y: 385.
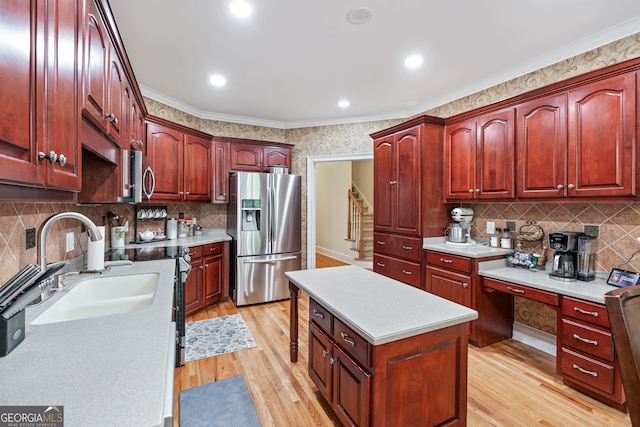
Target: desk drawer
x: 586, y: 311
x: 449, y: 261
x: 590, y: 372
x: 522, y: 291
x: 352, y: 343
x: 589, y: 339
x: 404, y: 271
x: 397, y: 246
x: 320, y: 316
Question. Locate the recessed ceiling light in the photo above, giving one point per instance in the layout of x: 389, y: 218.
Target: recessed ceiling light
x: 343, y: 103
x: 413, y: 61
x: 217, y: 80
x: 359, y: 15
x: 240, y: 8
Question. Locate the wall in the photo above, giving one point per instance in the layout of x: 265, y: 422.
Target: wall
x: 333, y: 180
x: 362, y: 177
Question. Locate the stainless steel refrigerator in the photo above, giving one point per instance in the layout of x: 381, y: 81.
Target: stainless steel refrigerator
x: 263, y: 218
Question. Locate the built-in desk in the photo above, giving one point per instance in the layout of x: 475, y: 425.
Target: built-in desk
x: 400, y: 352
x: 585, y: 355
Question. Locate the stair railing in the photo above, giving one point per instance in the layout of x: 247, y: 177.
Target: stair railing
x: 355, y: 223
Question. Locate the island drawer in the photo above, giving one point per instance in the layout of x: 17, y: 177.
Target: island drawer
x: 404, y: 271
x: 449, y: 261
x: 352, y: 343
x: 590, y: 339
x: 321, y: 317
x: 586, y: 311
x: 195, y: 252
x: 521, y: 291
x: 591, y: 372
x: 398, y: 246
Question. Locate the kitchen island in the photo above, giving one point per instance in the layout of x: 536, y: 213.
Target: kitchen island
x: 383, y: 353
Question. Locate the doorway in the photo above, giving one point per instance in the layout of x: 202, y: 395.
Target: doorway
x: 312, y: 162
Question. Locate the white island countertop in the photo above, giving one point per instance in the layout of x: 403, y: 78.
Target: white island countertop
x: 380, y: 309
x: 106, y: 371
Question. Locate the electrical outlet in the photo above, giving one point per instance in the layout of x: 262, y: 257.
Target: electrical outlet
x: 70, y: 241
x: 592, y: 230
x: 511, y: 225
x: 30, y: 238
x: 491, y: 227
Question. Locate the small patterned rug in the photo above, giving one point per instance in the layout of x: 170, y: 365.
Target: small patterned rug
x: 216, y: 336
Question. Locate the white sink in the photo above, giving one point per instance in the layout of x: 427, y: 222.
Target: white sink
x: 102, y: 296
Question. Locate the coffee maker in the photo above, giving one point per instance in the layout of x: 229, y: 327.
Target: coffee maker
x: 565, y: 259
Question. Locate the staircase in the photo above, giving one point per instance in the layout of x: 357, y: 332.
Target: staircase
x: 360, y: 230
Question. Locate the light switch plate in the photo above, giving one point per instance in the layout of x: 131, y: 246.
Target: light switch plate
x: 70, y: 241
x: 491, y: 227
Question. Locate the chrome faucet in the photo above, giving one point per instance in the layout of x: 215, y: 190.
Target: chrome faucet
x: 94, y: 233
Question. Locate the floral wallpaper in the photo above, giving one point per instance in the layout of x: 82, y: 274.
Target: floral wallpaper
x: 617, y: 240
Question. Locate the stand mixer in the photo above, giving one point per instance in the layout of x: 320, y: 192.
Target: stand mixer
x: 459, y: 233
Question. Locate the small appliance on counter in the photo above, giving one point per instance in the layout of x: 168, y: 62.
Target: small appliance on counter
x: 458, y: 233
x: 587, y: 248
x: 564, y: 265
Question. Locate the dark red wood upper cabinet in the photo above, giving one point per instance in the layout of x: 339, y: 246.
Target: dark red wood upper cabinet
x: 96, y: 67
x: 541, y: 159
x: 276, y: 156
x: 602, y: 138
x: 164, y: 152
x: 39, y: 110
x: 460, y: 161
x: 495, y: 155
x: 197, y: 175
x: 246, y: 157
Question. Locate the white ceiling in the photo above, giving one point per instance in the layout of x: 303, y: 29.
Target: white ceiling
x: 292, y: 60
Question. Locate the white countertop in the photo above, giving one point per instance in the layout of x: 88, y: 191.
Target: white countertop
x: 105, y: 371
x: 590, y: 291
x: 213, y: 235
x: 378, y: 308
x: 472, y: 251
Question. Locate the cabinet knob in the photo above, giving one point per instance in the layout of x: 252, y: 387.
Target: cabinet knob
x: 471, y: 190
x: 560, y: 186
x: 200, y: 267
x: 53, y: 157
x: 465, y: 285
x: 333, y: 360
x: 213, y: 249
x: 393, y: 182
x: 570, y: 186
x: 318, y: 314
x: 477, y: 190
x: 325, y: 353
x: 112, y: 118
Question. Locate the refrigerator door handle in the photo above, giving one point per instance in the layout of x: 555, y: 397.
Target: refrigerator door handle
x: 269, y: 261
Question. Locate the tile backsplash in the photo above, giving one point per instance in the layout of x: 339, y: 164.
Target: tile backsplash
x: 16, y: 218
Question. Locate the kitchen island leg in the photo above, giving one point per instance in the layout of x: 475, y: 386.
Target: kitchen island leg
x: 293, y: 322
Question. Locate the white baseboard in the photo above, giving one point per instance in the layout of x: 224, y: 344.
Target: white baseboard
x: 335, y: 254
x: 535, y: 338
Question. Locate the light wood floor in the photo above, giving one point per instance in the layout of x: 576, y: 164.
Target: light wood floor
x: 510, y: 384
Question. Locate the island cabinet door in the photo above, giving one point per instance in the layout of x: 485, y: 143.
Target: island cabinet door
x: 351, y: 390
x: 320, y: 356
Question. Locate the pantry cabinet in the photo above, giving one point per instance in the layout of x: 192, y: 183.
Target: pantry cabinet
x: 180, y: 161
x: 479, y: 157
x: 580, y: 143
x: 408, y: 196
x: 39, y: 113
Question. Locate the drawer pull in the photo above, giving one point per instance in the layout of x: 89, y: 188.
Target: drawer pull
x: 408, y: 248
x: 380, y: 242
x: 584, y: 371
x: 408, y: 273
x: 578, y: 337
x: 325, y: 353
x: 448, y: 261
x: 465, y: 285
x: 348, y: 340
x: 379, y: 264
x: 318, y: 314
x: 579, y: 310
x: 518, y: 291
x: 333, y: 360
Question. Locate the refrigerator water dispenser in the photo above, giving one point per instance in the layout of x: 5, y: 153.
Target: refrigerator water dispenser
x: 250, y: 215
